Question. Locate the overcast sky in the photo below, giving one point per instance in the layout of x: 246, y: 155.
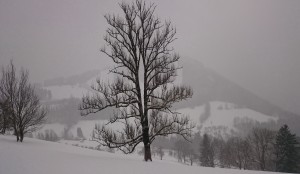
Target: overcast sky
x: 255, y: 43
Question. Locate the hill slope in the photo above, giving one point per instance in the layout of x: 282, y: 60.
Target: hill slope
x: 41, y: 157
x: 208, y: 86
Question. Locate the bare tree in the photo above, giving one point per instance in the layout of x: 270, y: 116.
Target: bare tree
x: 262, y: 140
x: 145, y: 66
x: 160, y: 152
x: 183, y: 150
x: 237, y: 153
x: 8, y: 87
x: 24, y: 110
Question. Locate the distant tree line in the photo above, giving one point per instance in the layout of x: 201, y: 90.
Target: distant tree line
x: 48, y: 135
x: 51, y: 135
x: 44, y: 94
x: 262, y: 149
x: 20, y: 107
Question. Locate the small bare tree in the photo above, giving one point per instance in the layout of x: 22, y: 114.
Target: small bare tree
x: 24, y: 111
x: 160, y: 152
x: 139, y: 45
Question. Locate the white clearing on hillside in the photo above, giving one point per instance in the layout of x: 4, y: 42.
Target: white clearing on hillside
x: 224, y: 114
x: 66, y: 91
x: 42, y: 157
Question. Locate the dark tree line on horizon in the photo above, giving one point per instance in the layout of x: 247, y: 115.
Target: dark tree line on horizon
x: 261, y: 149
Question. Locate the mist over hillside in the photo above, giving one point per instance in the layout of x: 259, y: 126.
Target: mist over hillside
x: 208, y: 86
x: 211, y: 86
x: 72, y: 80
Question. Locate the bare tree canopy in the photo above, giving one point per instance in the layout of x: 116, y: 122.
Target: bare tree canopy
x: 139, y: 44
x: 262, y: 140
x: 22, y: 108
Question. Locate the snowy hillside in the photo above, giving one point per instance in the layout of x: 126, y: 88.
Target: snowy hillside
x: 66, y: 91
x: 223, y: 115
x: 69, y: 87
x: 42, y: 157
x: 220, y: 117
x: 208, y: 86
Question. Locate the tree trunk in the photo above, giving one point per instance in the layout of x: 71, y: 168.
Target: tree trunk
x: 3, y: 130
x: 4, y: 125
x: 21, y: 136
x: 147, y: 153
x: 146, y: 141
x: 16, y: 134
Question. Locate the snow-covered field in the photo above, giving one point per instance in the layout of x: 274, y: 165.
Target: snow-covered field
x: 42, y: 157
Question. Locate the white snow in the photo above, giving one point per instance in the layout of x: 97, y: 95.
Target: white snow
x: 223, y: 114
x: 66, y: 91
x: 42, y: 157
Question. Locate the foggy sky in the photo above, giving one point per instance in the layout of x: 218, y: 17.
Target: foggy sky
x: 255, y: 43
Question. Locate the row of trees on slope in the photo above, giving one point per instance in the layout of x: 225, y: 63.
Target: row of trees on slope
x: 262, y: 149
x: 51, y: 135
x: 20, y: 107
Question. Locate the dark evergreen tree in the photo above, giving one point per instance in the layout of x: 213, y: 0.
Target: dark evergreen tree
x: 205, y: 115
x: 287, y: 157
x: 207, y: 152
x: 79, y: 133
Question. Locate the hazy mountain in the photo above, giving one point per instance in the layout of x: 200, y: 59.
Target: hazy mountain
x: 211, y: 86
x: 208, y: 86
x: 72, y: 80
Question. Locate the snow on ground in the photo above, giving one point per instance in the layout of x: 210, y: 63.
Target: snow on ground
x: 42, y: 157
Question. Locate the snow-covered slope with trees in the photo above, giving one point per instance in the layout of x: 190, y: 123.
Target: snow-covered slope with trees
x: 212, y: 117
x: 42, y: 157
x: 224, y: 116
x: 208, y: 87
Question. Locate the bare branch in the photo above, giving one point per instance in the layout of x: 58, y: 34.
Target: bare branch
x: 145, y: 66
